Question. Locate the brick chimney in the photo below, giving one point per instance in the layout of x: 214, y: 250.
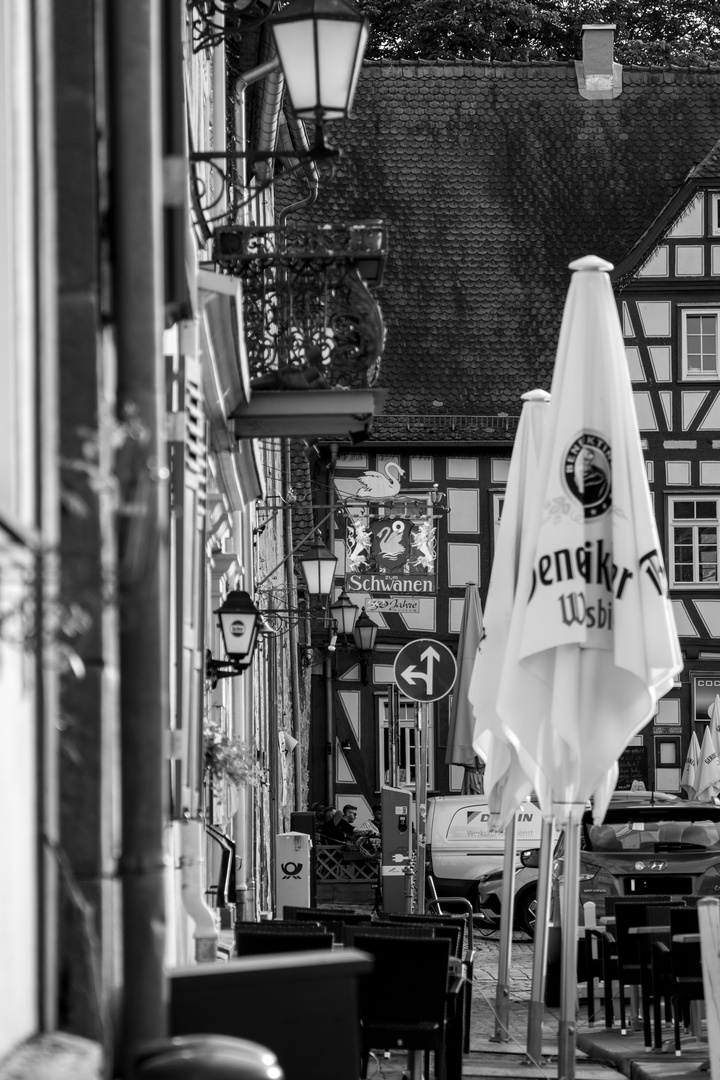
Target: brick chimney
x: 598, y: 76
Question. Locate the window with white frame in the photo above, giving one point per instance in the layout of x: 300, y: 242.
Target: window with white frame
x: 407, y: 745
x: 715, y: 214
x: 498, y: 501
x: 700, y: 343
x: 693, y: 524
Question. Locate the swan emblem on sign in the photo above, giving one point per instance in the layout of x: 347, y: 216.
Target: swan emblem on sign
x: 391, y: 541
x: 380, y: 485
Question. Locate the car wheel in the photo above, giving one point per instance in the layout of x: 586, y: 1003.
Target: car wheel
x: 526, y: 911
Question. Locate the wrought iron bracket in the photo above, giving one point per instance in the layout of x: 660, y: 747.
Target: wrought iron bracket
x: 220, y: 669
x: 232, y: 22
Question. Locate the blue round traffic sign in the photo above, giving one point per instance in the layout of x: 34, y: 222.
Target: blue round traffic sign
x: 425, y: 670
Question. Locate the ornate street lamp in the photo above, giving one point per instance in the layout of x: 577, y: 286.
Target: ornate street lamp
x: 364, y: 635
x: 239, y: 622
x: 344, y: 614
x: 318, y: 568
x: 320, y: 44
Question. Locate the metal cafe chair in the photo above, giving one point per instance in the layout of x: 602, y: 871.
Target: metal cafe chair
x: 403, y: 1002
x: 603, y: 967
x: 632, y: 962
x: 434, y: 909
x: 453, y: 927
x: 456, y: 1039
x: 685, y: 966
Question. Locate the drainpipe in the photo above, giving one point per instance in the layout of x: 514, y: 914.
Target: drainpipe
x: 137, y: 250
x: 327, y: 674
x: 298, y: 134
x: 191, y: 889
x: 293, y: 635
x: 262, y: 71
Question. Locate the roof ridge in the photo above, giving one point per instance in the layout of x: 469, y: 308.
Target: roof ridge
x: 476, y: 61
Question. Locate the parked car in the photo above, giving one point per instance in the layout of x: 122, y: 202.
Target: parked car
x: 489, y: 896
x: 646, y: 847
x: 489, y: 892
x: 462, y: 849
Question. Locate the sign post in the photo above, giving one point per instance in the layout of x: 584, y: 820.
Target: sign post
x: 425, y: 671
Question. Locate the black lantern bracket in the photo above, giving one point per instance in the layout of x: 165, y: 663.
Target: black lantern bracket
x: 221, y: 669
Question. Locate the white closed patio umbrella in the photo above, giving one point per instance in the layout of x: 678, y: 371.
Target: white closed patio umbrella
x: 707, y: 777
x: 461, y: 725
x: 592, y: 641
x: 506, y: 783
x: 688, y: 780
x: 714, y: 714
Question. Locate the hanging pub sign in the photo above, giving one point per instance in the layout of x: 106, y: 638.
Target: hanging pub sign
x: 390, y: 556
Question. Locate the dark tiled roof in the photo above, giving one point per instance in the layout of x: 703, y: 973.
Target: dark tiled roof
x: 709, y: 167
x: 493, y: 177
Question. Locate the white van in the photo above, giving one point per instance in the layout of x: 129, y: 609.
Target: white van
x: 462, y: 847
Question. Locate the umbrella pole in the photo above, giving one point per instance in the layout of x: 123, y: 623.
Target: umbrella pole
x: 542, y: 919
x: 502, y: 996
x: 568, y: 957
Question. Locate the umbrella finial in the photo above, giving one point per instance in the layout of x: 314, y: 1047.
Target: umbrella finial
x: 535, y: 395
x: 591, y: 262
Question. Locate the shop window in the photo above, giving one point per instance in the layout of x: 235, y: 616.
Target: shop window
x: 668, y: 767
x: 700, y: 344
x: 407, y: 746
x: 693, y: 527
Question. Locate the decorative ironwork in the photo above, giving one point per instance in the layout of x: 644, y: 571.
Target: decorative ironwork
x: 216, y: 187
x: 218, y: 21
x: 311, y: 321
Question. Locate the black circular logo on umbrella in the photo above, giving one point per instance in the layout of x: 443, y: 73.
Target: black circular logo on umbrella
x: 588, y: 473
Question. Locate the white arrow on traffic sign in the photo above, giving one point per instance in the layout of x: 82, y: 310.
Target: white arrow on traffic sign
x: 425, y: 670
x: 411, y: 674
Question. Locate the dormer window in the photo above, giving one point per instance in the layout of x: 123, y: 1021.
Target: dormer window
x: 700, y: 343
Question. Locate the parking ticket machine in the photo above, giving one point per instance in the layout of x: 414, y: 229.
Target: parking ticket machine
x: 397, y: 848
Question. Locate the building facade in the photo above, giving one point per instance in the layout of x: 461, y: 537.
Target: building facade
x: 492, y: 178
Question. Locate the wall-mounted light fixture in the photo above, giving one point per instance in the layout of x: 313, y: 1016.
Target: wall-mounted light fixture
x: 351, y: 631
x: 320, y: 45
x: 364, y: 635
x: 240, y: 621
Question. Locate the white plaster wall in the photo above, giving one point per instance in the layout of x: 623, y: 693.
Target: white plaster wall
x: 18, y: 869
x: 18, y: 734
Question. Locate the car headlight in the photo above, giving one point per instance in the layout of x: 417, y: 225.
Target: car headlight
x: 494, y: 875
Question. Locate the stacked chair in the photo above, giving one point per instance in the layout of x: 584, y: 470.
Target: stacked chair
x: 407, y: 1001
x: 459, y: 929
x: 252, y: 939
x: 331, y: 919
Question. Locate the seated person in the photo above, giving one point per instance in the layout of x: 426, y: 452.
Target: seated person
x: 330, y: 829
x: 373, y: 824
